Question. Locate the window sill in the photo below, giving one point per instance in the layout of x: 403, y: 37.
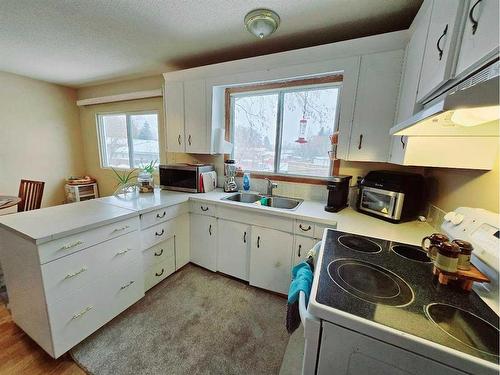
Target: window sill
x: 287, y: 178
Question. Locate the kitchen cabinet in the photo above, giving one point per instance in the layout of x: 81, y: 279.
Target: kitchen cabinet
x: 480, y: 38
x: 375, y: 106
x: 233, y: 250
x: 271, y: 259
x: 301, y: 247
x: 442, y: 35
x: 204, y: 241
x: 174, y: 111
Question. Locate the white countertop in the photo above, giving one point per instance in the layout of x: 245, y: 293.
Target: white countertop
x: 55, y: 222
x: 347, y: 220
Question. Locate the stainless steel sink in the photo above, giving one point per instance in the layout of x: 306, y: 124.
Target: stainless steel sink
x: 276, y: 202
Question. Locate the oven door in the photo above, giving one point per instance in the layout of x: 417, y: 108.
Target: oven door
x: 384, y: 203
x: 179, y: 179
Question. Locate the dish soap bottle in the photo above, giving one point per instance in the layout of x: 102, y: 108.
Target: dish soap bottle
x: 246, y: 181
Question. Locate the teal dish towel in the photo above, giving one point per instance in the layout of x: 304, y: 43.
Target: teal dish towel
x: 302, y: 278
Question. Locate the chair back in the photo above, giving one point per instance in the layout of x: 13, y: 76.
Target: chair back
x: 30, y: 193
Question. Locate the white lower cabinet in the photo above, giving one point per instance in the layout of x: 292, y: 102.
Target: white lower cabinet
x: 158, y: 272
x: 233, y: 250
x: 301, y: 247
x: 204, y: 241
x: 271, y: 259
x: 182, y: 253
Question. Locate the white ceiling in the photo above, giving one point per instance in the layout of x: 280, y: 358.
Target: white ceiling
x: 78, y: 42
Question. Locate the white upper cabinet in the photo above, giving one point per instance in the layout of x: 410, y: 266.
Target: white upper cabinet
x: 480, y: 35
x: 174, y: 110
x: 440, y: 47
x: 375, y: 106
x: 195, y: 117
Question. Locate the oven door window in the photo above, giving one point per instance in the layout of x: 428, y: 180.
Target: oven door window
x: 376, y: 202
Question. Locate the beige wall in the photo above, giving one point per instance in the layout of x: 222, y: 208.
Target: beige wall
x: 453, y: 188
x: 39, y: 136
x: 121, y: 87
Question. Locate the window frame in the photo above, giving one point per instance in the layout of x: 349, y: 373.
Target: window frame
x: 281, y: 87
x: 102, y: 142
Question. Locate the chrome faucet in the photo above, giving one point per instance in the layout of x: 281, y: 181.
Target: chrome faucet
x: 270, y: 186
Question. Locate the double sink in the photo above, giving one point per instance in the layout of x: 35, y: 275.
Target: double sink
x: 271, y: 201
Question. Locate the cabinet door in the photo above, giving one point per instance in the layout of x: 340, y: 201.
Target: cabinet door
x: 182, y: 239
x: 174, y: 109
x: 204, y: 241
x: 375, y: 107
x: 440, y: 46
x: 271, y: 259
x: 301, y: 247
x: 195, y: 118
x: 480, y: 35
x: 233, y: 252
x: 413, y: 63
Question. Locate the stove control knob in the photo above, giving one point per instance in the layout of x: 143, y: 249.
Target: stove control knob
x: 457, y: 219
x: 450, y: 216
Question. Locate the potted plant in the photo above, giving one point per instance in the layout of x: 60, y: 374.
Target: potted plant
x: 145, y: 178
x: 125, y: 182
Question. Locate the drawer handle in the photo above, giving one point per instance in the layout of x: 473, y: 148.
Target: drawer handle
x: 305, y: 229
x: 438, y: 43
x: 300, y: 248
x: 204, y: 209
x: 472, y: 19
x: 70, y: 275
x: 120, y: 229
x: 161, y: 273
x: 69, y: 246
x: 161, y: 233
x: 83, y: 312
x: 159, y: 254
x: 158, y: 216
x: 127, y: 285
x: 123, y: 252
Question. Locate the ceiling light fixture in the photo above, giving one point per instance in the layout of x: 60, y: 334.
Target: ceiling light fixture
x: 262, y: 22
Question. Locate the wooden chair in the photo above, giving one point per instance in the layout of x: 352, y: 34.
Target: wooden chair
x: 30, y: 193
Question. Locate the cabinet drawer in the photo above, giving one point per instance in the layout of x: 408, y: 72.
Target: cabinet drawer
x: 158, y: 253
x: 304, y: 228
x: 163, y: 214
x: 68, y: 274
x: 202, y: 208
x: 70, y: 244
x: 123, y: 289
x: 158, y: 272
x: 75, y: 317
x: 157, y: 233
x: 320, y: 228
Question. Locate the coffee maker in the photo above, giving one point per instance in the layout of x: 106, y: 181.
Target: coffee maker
x: 229, y: 175
x: 338, y: 191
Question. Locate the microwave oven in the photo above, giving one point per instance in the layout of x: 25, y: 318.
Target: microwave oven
x: 392, y: 196
x: 183, y: 177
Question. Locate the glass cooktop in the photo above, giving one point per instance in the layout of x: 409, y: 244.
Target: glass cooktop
x: 392, y: 284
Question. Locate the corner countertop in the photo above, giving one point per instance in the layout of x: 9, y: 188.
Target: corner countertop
x: 347, y: 220
x: 55, y: 222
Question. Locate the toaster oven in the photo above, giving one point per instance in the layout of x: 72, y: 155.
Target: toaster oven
x: 183, y: 177
x: 392, y: 196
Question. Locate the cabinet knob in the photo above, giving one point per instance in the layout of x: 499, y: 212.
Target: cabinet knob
x: 475, y: 22
x: 161, y: 273
x: 258, y: 242
x: 158, y: 216
x: 300, y: 248
x: 179, y: 139
x: 210, y: 229
x: 161, y: 233
x: 189, y: 139
x: 438, y: 43
x: 245, y: 237
x: 158, y: 254
x: 360, y: 144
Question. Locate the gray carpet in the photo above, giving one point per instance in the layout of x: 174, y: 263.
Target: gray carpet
x: 194, y: 322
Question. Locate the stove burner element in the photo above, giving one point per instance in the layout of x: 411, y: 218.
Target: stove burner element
x: 358, y: 243
x: 370, y: 283
x: 463, y: 326
x: 411, y: 253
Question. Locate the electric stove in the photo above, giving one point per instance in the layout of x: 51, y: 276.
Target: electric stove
x: 391, y: 285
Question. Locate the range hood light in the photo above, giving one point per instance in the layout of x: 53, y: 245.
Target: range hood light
x: 475, y: 116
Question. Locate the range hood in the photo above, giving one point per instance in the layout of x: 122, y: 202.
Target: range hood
x: 469, y: 109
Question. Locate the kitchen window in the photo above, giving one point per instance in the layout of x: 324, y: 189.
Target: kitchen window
x: 285, y: 128
x: 128, y: 140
